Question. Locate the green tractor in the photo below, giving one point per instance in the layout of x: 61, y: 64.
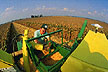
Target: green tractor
x: 26, y: 47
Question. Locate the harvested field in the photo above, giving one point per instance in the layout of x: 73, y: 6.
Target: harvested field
x: 70, y: 25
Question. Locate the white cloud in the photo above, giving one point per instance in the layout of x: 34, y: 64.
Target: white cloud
x: 38, y: 8
x: 89, y: 13
x: 45, y: 8
x: 72, y: 10
x: 50, y: 8
x: 25, y: 9
x: 95, y: 12
x: 8, y: 12
x: 9, y: 8
x: 65, y: 9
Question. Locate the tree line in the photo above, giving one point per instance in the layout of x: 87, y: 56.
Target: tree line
x: 35, y: 16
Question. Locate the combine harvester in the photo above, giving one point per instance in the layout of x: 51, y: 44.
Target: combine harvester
x: 91, y: 55
x: 88, y: 55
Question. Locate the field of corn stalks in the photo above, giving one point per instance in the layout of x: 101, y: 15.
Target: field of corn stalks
x: 70, y: 25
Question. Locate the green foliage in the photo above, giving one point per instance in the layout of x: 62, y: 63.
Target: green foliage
x: 107, y: 36
x: 41, y: 15
x: 36, y: 16
x: 32, y: 16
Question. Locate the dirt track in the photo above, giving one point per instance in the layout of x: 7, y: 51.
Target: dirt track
x: 20, y: 29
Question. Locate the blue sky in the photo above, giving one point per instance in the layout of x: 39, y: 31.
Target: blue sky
x: 18, y: 9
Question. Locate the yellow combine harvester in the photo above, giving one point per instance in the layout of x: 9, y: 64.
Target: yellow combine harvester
x: 92, y: 53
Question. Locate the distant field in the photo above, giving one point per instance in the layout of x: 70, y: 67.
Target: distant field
x: 70, y: 25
